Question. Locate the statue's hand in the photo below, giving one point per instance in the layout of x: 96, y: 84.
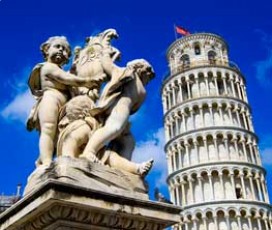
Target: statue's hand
x: 95, y: 82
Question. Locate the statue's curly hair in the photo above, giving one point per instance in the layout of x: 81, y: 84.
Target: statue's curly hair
x: 45, y: 46
x: 142, y: 67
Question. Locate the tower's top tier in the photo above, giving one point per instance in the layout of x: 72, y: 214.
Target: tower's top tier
x: 197, y: 49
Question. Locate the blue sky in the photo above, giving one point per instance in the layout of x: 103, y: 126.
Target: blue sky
x: 146, y: 30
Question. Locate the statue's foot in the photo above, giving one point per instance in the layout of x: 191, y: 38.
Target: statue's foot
x: 91, y: 157
x: 43, y: 165
x: 144, y: 168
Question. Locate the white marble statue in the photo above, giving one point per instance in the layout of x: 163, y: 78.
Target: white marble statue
x: 76, y: 123
x: 71, y: 115
x: 120, y: 98
x: 50, y: 86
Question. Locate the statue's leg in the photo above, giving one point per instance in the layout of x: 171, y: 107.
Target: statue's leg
x: 122, y: 163
x: 124, y: 144
x: 48, y: 118
x: 48, y: 114
x: 113, y: 127
x: 71, y: 146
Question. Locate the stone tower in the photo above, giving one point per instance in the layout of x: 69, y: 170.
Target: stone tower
x: 215, y: 171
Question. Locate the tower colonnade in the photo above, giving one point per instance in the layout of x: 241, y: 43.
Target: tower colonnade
x: 214, y: 165
x: 209, y: 112
x: 197, y: 83
x: 230, y: 215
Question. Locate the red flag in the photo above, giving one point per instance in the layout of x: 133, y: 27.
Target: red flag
x: 182, y: 31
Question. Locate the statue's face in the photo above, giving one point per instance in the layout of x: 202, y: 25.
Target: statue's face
x: 146, y: 73
x: 58, y: 52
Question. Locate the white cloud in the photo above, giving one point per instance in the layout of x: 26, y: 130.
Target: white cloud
x: 19, y: 107
x: 153, y: 147
x: 267, y: 156
x: 264, y: 67
x: 265, y: 147
x: 264, y: 70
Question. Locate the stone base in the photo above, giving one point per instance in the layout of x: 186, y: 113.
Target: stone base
x: 57, y: 205
x: 85, y: 174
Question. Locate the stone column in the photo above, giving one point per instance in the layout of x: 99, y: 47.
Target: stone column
x: 164, y: 103
x: 260, y: 195
x: 188, y: 88
x: 256, y: 150
x: 206, y: 148
x: 245, y: 94
x: 211, y: 113
x: 211, y: 185
x: 170, y: 128
x: 202, y: 116
x: 251, y: 152
x: 249, y: 222
x: 225, y: 85
x: 231, y: 175
x: 199, y: 178
x: 173, y: 90
x: 169, y: 98
x: 172, y: 195
x: 232, y: 87
x: 188, y: 153
x: 215, y: 222
x: 192, y: 116
x: 227, y: 221
x: 174, y: 158
x: 177, y: 192
x: 198, y: 86
x: 245, y: 120
x: 220, y: 109
x: 184, y: 122
x: 238, y: 117
x: 266, y: 223
x: 180, y: 155
x: 216, y: 85
x: 176, y: 117
x: 236, y: 146
x: 183, y: 193
x: 250, y: 122
x: 197, y: 151
x: 194, y: 223
x: 191, y: 188
x: 266, y: 197
x: 230, y: 114
x: 258, y: 218
x: 239, y: 222
x: 186, y: 226
x: 239, y: 90
x: 180, y: 92
x: 225, y: 139
x: 243, y: 185
x: 222, y: 184
x: 205, y: 223
x: 252, y: 186
x: 207, y: 85
x: 244, y: 149
x: 216, y: 147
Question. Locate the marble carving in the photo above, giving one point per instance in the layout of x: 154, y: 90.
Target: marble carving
x: 84, y: 114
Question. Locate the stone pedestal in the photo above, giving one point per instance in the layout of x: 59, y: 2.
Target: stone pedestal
x: 58, y: 204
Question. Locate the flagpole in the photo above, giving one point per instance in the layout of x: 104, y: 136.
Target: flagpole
x: 175, y: 31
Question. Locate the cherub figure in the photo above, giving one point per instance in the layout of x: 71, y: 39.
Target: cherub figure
x: 120, y: 98
x: 49, y: 84
x: 76, y: 124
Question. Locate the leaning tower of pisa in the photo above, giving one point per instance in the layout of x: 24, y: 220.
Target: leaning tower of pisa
x: 215, y: 171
